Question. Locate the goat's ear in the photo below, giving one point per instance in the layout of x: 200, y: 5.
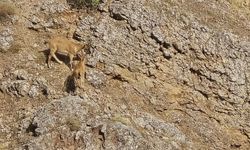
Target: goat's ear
x: 83, y: 46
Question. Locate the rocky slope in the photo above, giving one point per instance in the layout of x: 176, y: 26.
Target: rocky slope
x: 160, y: 75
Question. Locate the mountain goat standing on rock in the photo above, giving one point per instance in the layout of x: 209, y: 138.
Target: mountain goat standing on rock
x: 79, y: 72
x: 77, y: 78
x: 63, y: 46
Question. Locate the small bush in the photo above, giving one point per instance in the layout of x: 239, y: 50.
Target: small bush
x: 6, y: 10
x: 15, y: 48
x: 74, y: 124
x: 84, y: 3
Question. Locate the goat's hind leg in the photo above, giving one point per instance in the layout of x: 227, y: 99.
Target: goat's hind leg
x: 49, y: 60
x: 54, y: 56
x: 59, y: 61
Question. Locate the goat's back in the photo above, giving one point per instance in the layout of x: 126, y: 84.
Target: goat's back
x: 63, y: 44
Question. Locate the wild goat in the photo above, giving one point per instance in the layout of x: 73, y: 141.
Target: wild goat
x: 77, y: 77
x: 79, y: 72
x: 64, y: 46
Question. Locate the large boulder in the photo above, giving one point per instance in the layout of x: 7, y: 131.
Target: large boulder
x: 6, y: 39
x: 78, y: 123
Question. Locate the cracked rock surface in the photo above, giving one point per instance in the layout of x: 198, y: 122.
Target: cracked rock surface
x: 159, y: 75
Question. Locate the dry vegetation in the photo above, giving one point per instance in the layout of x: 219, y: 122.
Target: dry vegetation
x: 241, y: 3
x: 242, y: 6
x: 6, y: 10
x: 73, y: 123
x: 84, y: 3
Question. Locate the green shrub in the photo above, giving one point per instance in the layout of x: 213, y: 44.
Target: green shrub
x: 84, y: 3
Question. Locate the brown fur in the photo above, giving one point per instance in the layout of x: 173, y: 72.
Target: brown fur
x: 64, y: 46
x: 79, y: 72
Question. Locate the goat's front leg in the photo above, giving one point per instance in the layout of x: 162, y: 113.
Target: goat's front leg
x: 71, y: 61
x: 49, y: 61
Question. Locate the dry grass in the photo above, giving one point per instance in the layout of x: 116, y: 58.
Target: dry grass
x: 14, y: 48
x: 74, y: 124
x: 84, y: 3
x: 121, y: 119
x: 41, y: 58
x: 6, y: 10
x: 241, y: 3
x: 241, y: 6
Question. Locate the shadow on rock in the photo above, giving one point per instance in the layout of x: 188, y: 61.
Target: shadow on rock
x: 69, y: 84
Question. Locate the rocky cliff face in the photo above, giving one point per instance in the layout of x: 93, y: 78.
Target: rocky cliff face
x: 160, y: 75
